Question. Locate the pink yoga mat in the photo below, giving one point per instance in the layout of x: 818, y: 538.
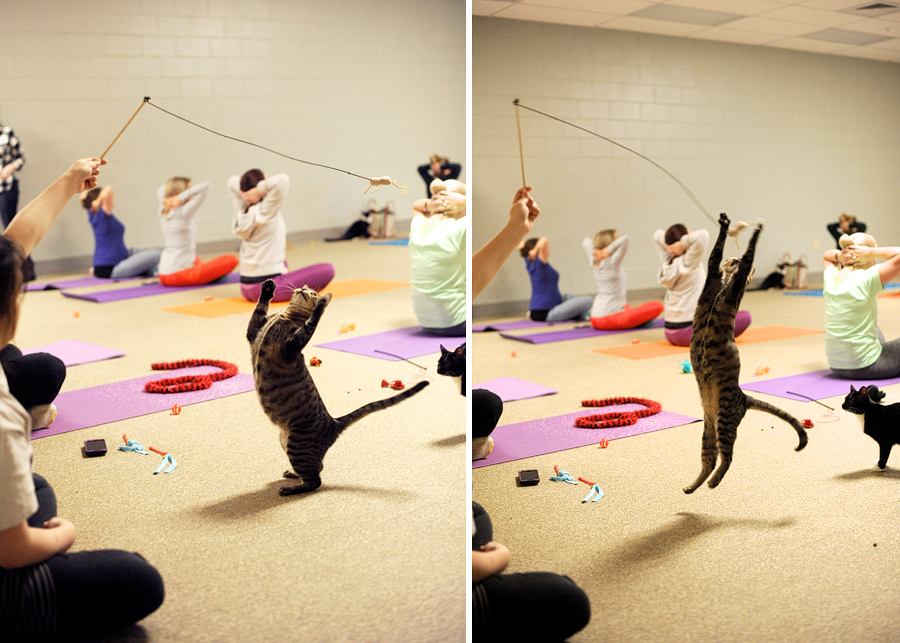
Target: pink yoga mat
x: 395, y: 345
x: 122, y: 400
x: 816, y: 385
x: 75, y: 351
x: 575, y: 333
x: 548, y: 435
x: 510, y: 389
x: 144, y: 290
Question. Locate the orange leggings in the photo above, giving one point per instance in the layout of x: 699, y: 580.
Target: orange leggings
x: 203, y: 272
x: 629, y: 318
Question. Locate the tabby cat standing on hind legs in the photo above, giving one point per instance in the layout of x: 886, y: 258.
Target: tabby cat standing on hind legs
x: 286, y: 390
x: 881, y: 423
x: 717, y: 363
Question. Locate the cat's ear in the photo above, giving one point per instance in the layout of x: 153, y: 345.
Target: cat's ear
x: 863, y: 391
x: 852, y: 390
x: 444, y: 351
x: 325, y: 299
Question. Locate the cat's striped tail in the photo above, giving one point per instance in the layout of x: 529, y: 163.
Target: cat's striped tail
x: 353, y: 416
x: 759, y: 405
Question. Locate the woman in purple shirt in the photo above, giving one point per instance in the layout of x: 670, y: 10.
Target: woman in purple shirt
x: 547, y: 304
x: 112, y: 260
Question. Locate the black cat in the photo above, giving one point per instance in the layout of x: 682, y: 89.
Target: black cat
x: 453, y: 364
x: 881, y: 423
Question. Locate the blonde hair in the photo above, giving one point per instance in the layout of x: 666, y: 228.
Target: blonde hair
x: 175, y: 186
x: 451, y: 185
x: 604, y: 238
x: 858, y: 239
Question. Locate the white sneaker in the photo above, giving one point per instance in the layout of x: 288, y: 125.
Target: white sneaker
x: 482, y: 447
x: 42, y: 415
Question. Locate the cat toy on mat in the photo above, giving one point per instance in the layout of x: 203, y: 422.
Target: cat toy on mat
x: 135, y: 446
x: 189, y: 382
x: 376, y: 182
x: 620, y: 418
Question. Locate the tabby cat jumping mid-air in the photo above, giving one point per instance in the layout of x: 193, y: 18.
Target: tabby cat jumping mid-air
x: 286, y: 390
x: 717, y: 363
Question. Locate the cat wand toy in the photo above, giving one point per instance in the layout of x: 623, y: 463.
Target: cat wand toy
x: 521, y: 154
x: 144, y: 102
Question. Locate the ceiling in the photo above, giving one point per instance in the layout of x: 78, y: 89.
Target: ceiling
x: 839, y: 27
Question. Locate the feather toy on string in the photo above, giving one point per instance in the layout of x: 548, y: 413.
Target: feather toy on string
x: 376, y: 182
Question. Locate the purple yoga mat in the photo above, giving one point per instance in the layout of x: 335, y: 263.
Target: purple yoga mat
x: 144, y: 290
x: 513, y: 325
x: 511, y: 389
x: 816, y: 385
x: 576, y: 333
x: 548, y: 435
x: 78, y: 282
x: 122, y: 400
x: 395, y: 345
x: 75, y: 351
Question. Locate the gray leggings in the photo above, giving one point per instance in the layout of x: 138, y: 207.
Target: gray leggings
x: 139, y: 262
x: 885, y: 367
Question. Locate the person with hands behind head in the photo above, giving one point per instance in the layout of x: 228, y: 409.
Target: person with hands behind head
x: 854, y: 345
x: 682, y: 270
x: 547, y: 303
x: 112, y: 260
x: 47, y: 592
x: 260, y: 225
x: 846, y: 224
x: 179, y: 264
x: 437, y: 254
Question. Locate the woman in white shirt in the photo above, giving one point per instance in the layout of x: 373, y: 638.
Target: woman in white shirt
x: 179, y: 264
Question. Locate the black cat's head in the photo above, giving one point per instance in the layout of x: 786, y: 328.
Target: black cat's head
x: 303, y: 302
x: 858, y: 400
x: 452, y: 363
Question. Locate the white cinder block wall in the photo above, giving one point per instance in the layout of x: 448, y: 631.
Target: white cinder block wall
x: 371, y: 87
x: 790, y: 137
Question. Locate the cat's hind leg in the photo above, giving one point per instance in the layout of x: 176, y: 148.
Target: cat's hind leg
x: 308, y: 482
x: 709, y: 451
x: 727, y: 431
x: 884, y: 452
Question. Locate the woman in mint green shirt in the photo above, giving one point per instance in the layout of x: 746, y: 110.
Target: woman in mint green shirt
x: 854, y: 345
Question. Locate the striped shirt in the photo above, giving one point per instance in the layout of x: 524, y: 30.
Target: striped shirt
x: 9, y: 153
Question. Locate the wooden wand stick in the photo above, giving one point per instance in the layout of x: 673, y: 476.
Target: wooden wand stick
x: 144, y: 102
x: 521, y: 155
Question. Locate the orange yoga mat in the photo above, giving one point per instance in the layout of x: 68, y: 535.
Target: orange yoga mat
x: 646, y: 350
x: 238, y: 305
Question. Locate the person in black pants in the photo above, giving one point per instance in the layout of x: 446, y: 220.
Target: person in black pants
x: 438, y: 167
x: 35, y: 381
x: 531, y: 606
x: 487, y: 407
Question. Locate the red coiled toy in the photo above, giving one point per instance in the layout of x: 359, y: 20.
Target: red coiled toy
x: 189, y: 382
x: 619, y: 418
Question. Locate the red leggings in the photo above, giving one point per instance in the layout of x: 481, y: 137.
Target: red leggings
x: 629, y: 318
x: 203, y: 272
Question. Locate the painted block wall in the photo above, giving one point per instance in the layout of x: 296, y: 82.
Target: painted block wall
x: 373, y: 88
x: 789, y: 137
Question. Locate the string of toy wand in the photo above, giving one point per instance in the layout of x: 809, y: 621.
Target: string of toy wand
x: 398, y: 357
x: 687, y: 191
x: 810, y: 399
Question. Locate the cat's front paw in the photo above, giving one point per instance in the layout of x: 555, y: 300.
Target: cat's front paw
x: 723, y: 219
x: 878, y: 469
x: 268, y: 290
